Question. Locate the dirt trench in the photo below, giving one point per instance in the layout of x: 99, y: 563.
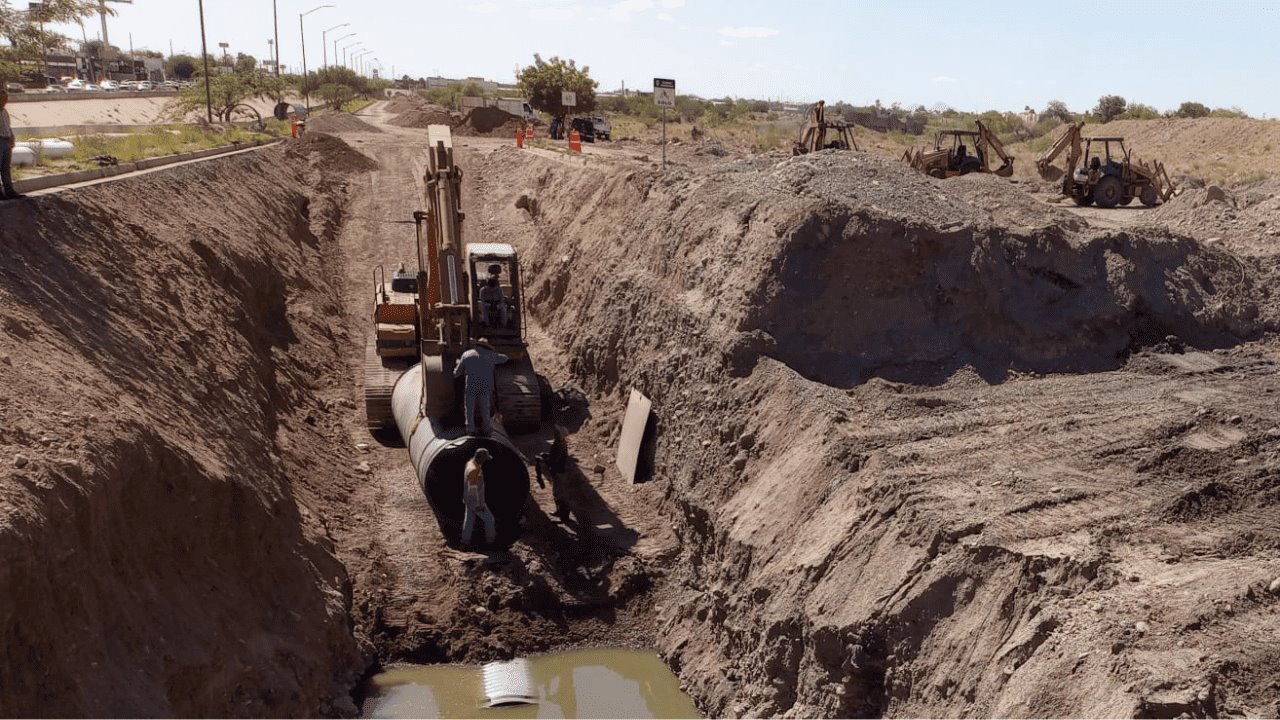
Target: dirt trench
x: 925, y: 445
x: 167, y: 445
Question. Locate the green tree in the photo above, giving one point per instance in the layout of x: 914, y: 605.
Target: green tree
x: 1191, y: 110
x: 1138, y: 111
x: 246, y: 64
x: 28, y: 32
x: 1058, y: 110
x: 181, y: 66
x: 1110, y: 107
x: 229, y: 90
x: 544, y: 80
x: 1232, y: 112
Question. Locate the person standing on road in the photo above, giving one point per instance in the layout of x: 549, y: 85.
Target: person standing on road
x: 477, y: 366
x: 7, y: 143
x: 473, y: 501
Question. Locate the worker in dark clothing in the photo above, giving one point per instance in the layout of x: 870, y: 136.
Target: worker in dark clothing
x: 477, y: 365
x: 8, y: 141
x: 555, y: 463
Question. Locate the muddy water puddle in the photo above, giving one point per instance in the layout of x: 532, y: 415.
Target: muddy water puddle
x: 600, y: 683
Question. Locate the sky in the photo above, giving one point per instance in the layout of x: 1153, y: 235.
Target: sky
x: 972, y: 55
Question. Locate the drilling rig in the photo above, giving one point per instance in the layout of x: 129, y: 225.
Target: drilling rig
x: 422, y: 325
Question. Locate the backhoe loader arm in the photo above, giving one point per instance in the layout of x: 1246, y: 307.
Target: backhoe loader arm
x: 989, y: 139
x: 1070, y: 138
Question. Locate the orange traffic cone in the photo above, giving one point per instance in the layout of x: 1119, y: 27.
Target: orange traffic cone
x: 575, y: 141
x: 520, y: 138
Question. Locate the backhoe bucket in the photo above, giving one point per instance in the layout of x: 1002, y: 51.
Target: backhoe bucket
x: 1005, y: 170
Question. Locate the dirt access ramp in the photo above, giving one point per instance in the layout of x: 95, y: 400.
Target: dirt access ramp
x: 931, y: 448
x: 170, y: 455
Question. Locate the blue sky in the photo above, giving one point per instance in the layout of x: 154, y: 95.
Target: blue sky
x: 973, y: 55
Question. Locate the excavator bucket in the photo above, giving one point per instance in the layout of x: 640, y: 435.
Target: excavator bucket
x: 1005, y: 170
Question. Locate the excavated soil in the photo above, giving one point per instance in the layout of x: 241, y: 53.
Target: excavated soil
x: 931, y: 448
x: 922, y: 447
x: 488, y: 121
x: 337, y: 122
x: 168, y: 453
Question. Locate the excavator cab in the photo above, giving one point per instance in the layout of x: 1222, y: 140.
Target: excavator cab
x: 497, y: 298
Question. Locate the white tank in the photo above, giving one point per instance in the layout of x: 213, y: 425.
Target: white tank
x: 23, y: 156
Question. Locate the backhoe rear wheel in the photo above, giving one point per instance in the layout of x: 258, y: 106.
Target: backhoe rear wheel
x: 1149, y: 196
x: 1108, y: 191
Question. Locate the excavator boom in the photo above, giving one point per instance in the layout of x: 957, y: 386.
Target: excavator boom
x: 993, y: 145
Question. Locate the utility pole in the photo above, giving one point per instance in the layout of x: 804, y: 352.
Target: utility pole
x: 204, y: 52
x: 275, y: 18
x: 102, y: 13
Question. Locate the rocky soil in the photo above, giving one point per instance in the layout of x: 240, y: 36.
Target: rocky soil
x: 923, y: 447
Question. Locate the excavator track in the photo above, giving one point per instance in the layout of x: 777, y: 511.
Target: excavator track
x: 380, y: 376
x: 519, y: 395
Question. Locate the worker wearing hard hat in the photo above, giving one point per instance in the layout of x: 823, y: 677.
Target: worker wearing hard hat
x: 477, y: 365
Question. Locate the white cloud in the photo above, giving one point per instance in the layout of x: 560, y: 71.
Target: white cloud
x: 557, y: 13
x: 672, y: 4
x: 748, y: 31
x: 665, y: 17
x: 484, y: 8
x: 622, y: 11
x: 942, y: 79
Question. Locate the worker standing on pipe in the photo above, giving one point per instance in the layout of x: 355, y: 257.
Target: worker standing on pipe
x: 477, y: 366
x: 473, y: 499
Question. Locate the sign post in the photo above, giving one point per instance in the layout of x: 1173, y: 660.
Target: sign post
x: 664, y: 96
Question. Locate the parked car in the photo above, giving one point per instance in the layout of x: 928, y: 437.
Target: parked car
x: 91, y: 87
x: 54, y: 89
x: 143, y: 86
x: 109, y: 86
x: 14, y: 87
x: 74, y: 85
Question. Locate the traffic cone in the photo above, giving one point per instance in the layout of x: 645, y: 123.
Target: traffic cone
x: 575, y: 141
x: 519, y: 138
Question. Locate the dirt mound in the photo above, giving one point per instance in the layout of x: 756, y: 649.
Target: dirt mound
x: 987, y: 541
x: 422, y: 117
x: 167, y: 453
x: 405, y: 103
x: 327, y: 153
x: 488, y: 121
x: 1247, y: 219
x: 339, y: 122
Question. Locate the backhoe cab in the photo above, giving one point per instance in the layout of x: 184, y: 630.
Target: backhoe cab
x: 960, y: 152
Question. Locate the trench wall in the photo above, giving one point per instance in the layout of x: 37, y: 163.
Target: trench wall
x: 163, y: 340
x: 753, y: 302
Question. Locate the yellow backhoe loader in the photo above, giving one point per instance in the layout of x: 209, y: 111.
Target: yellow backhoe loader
x: 951, y: 154
x: 1102, y: 171
x: 813, y: 136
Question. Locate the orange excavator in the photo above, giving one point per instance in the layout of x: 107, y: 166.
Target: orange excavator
x: 951, y: 155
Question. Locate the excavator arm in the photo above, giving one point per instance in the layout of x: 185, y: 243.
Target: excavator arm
x: 993, y: 144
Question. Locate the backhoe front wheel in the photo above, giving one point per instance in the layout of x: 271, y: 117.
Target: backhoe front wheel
x: 1149, y: 195
x: 1108, y: 191
x: 1083, y: 200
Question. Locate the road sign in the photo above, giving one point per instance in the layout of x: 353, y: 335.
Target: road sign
x: 568, y: 98
x: 664, y: 92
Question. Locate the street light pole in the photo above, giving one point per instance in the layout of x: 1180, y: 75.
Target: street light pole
x: 204, y: 52
x: 360, y: 61
x: 306, y: 94
x: 355, y: 44
x: 339, y: 40
x: 324, y: 43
